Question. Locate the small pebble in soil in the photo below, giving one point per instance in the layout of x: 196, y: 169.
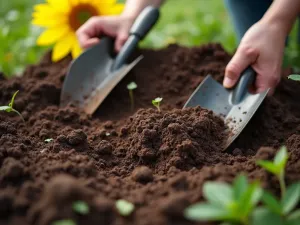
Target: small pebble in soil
x: 104, y: 148
x: 142, y: 174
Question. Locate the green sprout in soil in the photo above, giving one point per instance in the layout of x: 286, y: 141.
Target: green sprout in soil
x: 156, y: 102
x: 81, y: 207
x: 295, y: 77
x: 124, y: 207
x: 231, y: 204
x: 277, y: 167
x: 10, y: 108
x: 64, y: 222
x: 131, y: 87
x: 49, y: 140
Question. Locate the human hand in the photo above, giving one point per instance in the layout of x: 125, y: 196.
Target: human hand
x: 114, y: 26
x: 262, y: 47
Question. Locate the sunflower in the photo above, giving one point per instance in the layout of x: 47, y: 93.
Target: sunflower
x: 62, y: 18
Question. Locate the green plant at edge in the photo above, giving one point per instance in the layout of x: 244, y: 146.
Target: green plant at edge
x: 48, y: 140
x: 131, y: 87
x: 10, y: 108
x: 295, y: 77
x: 156, y: 102
x: 277, y: 167
x: 124, y: 207
x: 81, y: 207
x: 64, y: 222
x: 227, y: 203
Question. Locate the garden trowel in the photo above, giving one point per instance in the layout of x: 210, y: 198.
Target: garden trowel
x: 236, y: 105
x: 94, y: 74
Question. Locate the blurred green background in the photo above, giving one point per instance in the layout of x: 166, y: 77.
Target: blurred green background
x: 189, y: 22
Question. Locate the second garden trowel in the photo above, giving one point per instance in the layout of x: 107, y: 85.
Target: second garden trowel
x: 94, y: 74
x: 236, y: 106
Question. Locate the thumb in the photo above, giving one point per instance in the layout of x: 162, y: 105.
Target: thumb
x: 244, y: 57
x: 120, y: 40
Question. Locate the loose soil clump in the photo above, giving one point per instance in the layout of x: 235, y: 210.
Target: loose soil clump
x: 156, y: 160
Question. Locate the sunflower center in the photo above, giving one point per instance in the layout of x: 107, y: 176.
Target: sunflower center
x: 80, y: 14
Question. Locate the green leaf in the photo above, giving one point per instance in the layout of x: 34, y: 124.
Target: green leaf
x: 250, y: 199
x: 132, y: 86
x: 240, y: 185
x: 295, y: 77
x: 269, y: 166
x: 205, y: 212
x: 124, y: 207
x: 291, y: 198
x: 219, y: 194
x: 281, y: 157
x: 5, y: 108
x: 294, y: 218
x: 157, y: 101
x: 64, y: 222
x: 264, y: 216
x: 271, y: 202
x: 81, y: 207
x: 13, y: 99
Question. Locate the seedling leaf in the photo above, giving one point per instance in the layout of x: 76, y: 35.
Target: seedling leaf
x: 294, y: 215
x: 205, y: 212
x: 295, y: 77
x: 218, y: 194
x: 11, y: 104
x: 290, y: 198
x: 132, y: 86
x: 263, y: 216
x: 49, y: 140
x: 272, y: 203
x: 281, y: 158
x: 5, y: 108
x: 250, y: 198
x: 156, y: 102
x: 239, y: 186
x: 81, y: 207
x: 269, y: 166
x: 124, y: 207
x: 64, y: 222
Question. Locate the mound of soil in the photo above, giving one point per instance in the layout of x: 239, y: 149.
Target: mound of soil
x: 156, y: 160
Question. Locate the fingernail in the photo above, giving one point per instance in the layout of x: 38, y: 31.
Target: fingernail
x: 228, y: 83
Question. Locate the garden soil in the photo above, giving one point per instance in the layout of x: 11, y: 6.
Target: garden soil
x: 156, y: 160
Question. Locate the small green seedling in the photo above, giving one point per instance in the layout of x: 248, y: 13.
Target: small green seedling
x: 49, y: 140
x: 232, y: 204
x: 64, y: 222
x: 156, y: 102
x: 295, y: 77
x: 10, y: 108
x: 124, y: 207
x: 277, y: 167
x: 81, y: 207
x: 131, y: 87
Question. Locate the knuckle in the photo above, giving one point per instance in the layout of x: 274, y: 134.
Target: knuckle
x: 232, y: 70
x: 249, y: 51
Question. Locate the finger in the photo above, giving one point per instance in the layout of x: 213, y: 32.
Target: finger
x: 244, y: 57
x: 267, y: 81
x: 89, y: 31
x: 90, y: 43
x: 120, y: 41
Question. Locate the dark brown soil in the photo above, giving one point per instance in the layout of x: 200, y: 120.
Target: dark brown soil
x: 156, y: 160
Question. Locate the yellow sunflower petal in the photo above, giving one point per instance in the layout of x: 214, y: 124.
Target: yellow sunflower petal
x: 110, y: 9
x: 76, y: 50
x: 63, y: 47
x: 74, y: 2
x: 60, y: 5
x: 43, y: 22
x: 52, y: 35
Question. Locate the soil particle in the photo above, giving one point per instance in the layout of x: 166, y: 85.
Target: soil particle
x: 142, y: 174
x: 159, y: 161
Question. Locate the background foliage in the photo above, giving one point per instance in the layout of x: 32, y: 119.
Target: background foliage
x: 190, y: 22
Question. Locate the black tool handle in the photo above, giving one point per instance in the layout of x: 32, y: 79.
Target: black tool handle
x: 247, y: 78
x: 139, y: 30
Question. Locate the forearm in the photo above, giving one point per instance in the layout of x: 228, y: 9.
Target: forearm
x: 283, y: 13
x: 134, y: 7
